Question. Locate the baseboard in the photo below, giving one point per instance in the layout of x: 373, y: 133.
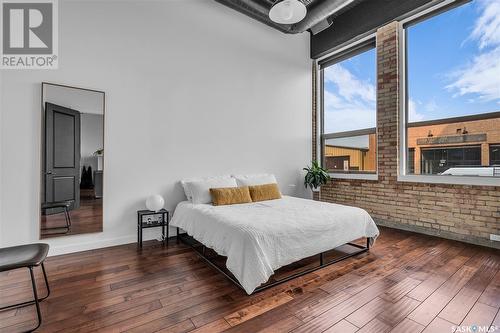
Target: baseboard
x: 71, y: 244
x: 440, y: 233
x: 85, y: 246
x: 98, y: 244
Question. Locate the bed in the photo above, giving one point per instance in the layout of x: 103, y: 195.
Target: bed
x: 260, y: 237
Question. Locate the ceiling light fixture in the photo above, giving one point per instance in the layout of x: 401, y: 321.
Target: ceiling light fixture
x: 288, y: 12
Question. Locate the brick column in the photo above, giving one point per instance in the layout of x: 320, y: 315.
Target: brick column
x: 418, y: 160
x: 485, y: 154
x: 387, y: 101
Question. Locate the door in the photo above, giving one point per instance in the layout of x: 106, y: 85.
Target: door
x: 337, y: 163
x: 438, y: 160
x: 62, y: 154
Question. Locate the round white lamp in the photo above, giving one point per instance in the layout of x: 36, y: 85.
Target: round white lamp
x: 155, y: 202
x: 288, y: 12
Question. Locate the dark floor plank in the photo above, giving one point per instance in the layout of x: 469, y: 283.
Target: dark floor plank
x: 480, y: 315
x: 342, y: 326
x: 375, y: 326
x: 402, y: 284
x: 367, y: 312
x: 408, y: 326
x: 439, y: 325
x: 396, y: 312
x: 431, y: 307
x: 491, y: 295
x: 465, y: 299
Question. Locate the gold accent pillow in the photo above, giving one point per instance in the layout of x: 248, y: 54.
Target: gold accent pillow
x: 230, y: 195
x: 265, y: 192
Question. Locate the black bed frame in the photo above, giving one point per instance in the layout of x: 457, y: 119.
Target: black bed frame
x: 188, y: 240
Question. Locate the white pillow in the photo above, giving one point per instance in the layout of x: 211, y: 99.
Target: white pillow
x: 258, y: 179
x: 188, y: 194
x: 200, y: 189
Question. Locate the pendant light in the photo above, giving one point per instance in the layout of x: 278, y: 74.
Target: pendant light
x: 288, y: 12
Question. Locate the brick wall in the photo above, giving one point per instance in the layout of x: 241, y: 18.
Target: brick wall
x: 467, y: 213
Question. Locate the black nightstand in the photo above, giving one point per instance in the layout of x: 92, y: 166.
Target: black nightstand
x: 149, y: 219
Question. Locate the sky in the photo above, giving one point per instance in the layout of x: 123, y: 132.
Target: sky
x: 453, y: 70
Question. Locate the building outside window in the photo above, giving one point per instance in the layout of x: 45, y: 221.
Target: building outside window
x: 495, y: 154
x: 435, y: 147
x: 452, y: 100
x: 348, y: 100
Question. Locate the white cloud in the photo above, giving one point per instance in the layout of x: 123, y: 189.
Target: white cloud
x: 481, y: 76
x: 487, y: 27
x: 352, y: 105
x: 343, y: 115
x: 431, y: 106
x: 413, y: 115
x: 349, y: 86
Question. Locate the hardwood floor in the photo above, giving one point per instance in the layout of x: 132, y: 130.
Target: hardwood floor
x: 406, y: 283
x: 86, y: 219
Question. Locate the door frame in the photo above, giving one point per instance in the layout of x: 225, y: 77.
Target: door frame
x: 42, y: 145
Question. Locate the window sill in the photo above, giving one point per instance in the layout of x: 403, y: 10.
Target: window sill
x: 365, y: 176
x: 452, y: 180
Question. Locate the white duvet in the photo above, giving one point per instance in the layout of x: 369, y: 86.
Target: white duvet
x: 258, y: 238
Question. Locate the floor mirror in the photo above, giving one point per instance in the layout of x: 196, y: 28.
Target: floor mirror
x: 72, y: 163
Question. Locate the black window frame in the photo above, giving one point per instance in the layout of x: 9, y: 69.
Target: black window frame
x: 349, y: 52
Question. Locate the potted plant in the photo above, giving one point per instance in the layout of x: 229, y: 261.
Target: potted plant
x: 99, y: 154
x: 315, y: 176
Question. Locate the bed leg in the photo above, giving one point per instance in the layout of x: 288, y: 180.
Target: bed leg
x: 203, y: 249
x: 368, y: 243
x: 321, y: 259
x: 177, y: 238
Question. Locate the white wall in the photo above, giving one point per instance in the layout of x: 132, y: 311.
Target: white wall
x: 91, y: 135
x: 192, y: 88
x: 1, y: 155
x: 82, y: 100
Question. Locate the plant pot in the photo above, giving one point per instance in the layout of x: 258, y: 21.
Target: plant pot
x: 317, y: 189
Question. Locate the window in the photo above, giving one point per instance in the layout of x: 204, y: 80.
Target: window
x: 348, y: 100
x: 495, y: 155
x: 452, y: 91
x: 411, y: 160
x: 446, y: 159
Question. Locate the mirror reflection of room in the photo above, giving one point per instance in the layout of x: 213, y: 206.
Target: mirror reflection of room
x: 72, y: 160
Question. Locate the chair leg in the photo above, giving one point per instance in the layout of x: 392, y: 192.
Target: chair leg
x: 19, y: 305
x: 46, y: 282
x: 35, y: 296
x: 68, y: 218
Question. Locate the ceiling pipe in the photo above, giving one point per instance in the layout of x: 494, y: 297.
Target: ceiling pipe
x: 321, y: 11
x: 317, y: 11
x: 255, y: 10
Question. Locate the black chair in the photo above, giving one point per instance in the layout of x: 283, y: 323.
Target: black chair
x: 65, y: 205
x: 26, y: 256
